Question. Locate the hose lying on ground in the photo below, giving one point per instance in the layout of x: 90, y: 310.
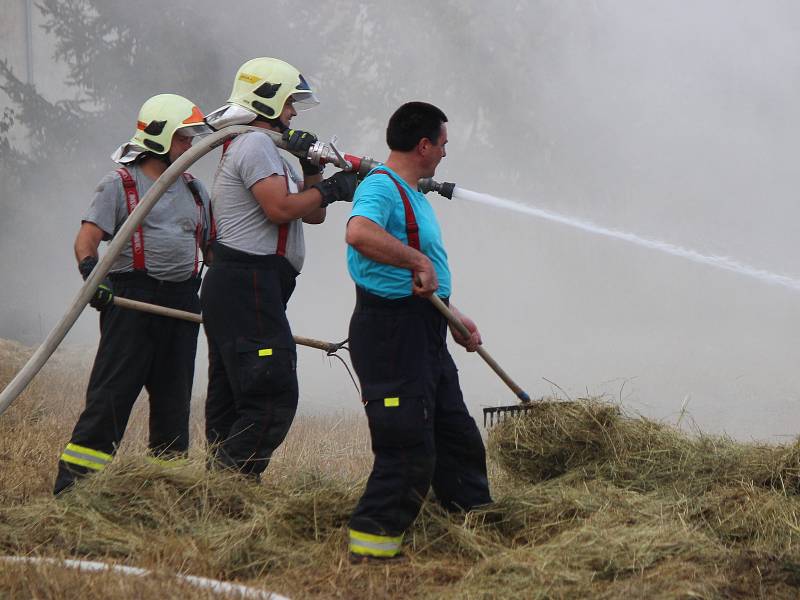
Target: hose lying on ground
x: 86, y: 566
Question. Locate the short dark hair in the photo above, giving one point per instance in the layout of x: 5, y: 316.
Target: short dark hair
x: 412, y: 122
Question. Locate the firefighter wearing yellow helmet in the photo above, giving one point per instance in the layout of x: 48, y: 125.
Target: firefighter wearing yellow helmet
x: 160, y: 265
x: 260, y: 204
x: 159, y: 119
x: 263, y: 85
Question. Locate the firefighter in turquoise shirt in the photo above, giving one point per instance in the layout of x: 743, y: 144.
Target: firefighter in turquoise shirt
x: 422, y: 434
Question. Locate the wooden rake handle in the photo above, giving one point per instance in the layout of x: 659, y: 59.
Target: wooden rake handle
x: 462, y: 329
x: 195, y: 318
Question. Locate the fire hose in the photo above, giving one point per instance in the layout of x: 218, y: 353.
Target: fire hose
x: 319, y: 153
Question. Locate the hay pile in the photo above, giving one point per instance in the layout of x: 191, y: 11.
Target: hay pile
x: 218, y: 524
x: 591, y: 439
x: 590, y: 503
x: 286, y: 535
x: 724, y: 514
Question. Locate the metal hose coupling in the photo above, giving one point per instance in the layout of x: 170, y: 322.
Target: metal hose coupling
x: 321, y: 153
x: 429, y: 184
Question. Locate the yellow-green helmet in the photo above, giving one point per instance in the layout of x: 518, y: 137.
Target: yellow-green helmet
x: 161, y: 116
x: 263, y: 85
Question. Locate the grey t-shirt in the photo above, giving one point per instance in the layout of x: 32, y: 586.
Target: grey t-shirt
x: 169, y: 230
x: 241, y: 223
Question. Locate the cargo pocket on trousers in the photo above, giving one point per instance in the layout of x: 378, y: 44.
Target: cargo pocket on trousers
x: 397, y: 421
x: 265, y: 365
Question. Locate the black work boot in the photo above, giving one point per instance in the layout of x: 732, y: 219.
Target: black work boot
x: 67, y: 475
x: 363, y: 559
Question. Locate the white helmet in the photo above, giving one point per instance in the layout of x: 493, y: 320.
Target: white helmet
x: 159, y: 118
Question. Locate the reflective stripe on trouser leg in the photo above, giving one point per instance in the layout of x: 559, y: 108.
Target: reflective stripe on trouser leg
x: 167, y: 461
x: 369, y: 544
x: 85, y: 457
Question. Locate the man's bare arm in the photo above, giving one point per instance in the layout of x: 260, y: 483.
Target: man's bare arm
x: 88, y: 240
x: 316, y: 217
x: 371, y: 240
x: 279, y: 205
x: 471, y: 343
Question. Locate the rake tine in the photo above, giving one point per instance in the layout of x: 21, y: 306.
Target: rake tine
x: 501, y: 412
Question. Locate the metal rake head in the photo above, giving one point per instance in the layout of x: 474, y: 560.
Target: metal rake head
x: 495, y: 414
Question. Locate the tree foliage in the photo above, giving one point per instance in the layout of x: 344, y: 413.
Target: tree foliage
x: 116, y: 56
x: 56, y: 136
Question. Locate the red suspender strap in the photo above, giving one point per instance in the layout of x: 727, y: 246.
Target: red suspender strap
x: 412, y: 229
x: 198, y: 232
x: 131, y: 201
x: 283, y: 230
x: 212, y: 228
x: 283, y: 235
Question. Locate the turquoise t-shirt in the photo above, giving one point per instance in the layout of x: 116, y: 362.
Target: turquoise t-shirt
x: 378, y: 200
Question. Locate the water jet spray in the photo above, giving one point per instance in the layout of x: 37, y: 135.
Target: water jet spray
x: 718, y: 262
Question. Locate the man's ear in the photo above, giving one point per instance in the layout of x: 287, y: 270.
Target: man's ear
x: 423, y: 146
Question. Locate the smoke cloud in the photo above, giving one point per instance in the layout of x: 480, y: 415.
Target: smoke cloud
x: 676, y: 122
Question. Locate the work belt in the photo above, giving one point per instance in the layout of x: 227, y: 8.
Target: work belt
x: 370, y: 301
x: 142, y: 280
x: 225, y: 256
x: 370, y: 304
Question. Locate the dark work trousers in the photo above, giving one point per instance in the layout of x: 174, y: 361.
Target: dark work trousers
x: 138, y: 350
x: 421, y: 431
x: 252, y: 358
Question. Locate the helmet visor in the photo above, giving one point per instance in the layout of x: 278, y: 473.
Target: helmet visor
x: 303, y: 96
x: 194, y: 130
x: 304, y: 100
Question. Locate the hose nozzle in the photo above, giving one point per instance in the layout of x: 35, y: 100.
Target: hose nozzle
x: 431, y: 185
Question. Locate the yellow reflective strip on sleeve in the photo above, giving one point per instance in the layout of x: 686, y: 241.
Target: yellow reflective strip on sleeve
x: 265, y: 352
x: 391, y: 402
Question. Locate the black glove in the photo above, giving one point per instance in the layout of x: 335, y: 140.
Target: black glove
x: 341, y: 187
x: 104, y: 295
x: 298, y: 142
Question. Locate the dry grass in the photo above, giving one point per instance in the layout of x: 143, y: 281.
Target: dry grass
x: 591, y: 503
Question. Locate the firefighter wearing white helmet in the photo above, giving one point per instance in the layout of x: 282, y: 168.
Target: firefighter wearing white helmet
x: 260, y: 204
x: 161, y: 265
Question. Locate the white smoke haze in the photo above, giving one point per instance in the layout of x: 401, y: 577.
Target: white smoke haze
x: 674, y: 122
